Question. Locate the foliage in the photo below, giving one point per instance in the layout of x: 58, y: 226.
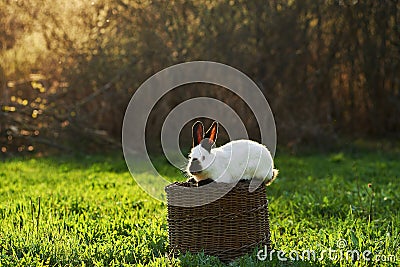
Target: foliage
x: 88, y: 211
x: 328, y: 68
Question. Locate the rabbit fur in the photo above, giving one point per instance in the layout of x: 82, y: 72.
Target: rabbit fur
x: 234, y: 161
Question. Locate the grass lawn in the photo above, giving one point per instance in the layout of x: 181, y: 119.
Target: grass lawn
x: 88, y: 211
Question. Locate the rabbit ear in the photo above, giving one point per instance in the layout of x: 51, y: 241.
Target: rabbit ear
x: 212, y: 133
x: 197, y: 133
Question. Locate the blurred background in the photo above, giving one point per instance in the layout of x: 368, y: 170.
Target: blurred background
x: 329, y: 69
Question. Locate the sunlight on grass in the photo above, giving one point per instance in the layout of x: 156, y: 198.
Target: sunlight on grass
x: 89, y: 211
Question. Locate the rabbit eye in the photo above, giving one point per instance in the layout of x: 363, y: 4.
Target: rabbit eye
x: 203, y: 157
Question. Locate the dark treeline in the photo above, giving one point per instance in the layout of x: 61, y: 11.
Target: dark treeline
x: 68, y: 68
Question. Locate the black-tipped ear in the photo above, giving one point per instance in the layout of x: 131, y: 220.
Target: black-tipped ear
x: 212, y: 133
x: 197, y: 133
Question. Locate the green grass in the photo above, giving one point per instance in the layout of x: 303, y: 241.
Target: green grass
x: 88, y: 211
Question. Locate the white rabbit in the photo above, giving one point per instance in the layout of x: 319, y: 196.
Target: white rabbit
x: 234, y: 161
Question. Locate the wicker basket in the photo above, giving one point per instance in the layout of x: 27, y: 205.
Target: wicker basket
x: 228, y: 227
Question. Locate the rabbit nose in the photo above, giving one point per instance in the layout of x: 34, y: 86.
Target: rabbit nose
x: 195, y: 166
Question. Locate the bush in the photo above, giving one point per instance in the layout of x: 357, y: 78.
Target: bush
x: 328, y: 69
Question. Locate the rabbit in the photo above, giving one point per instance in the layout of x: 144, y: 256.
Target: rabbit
x: 234, y: 161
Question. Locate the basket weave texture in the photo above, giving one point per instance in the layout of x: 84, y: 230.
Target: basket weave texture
x: 229, y: 227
